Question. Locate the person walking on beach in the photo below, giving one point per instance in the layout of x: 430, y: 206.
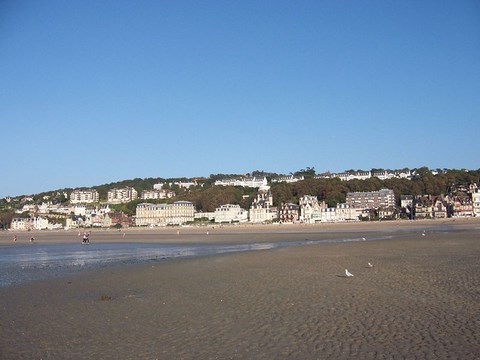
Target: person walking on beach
x: 14, y: 238
x: 85, y: 239
x: 32, y: 239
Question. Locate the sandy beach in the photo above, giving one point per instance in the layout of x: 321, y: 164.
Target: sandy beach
x: 420, y: 300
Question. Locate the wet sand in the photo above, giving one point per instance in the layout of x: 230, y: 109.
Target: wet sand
x: 421, y: 300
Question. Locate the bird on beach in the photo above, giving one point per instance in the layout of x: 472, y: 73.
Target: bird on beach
x: 370, y: 265
x: 363, y: 239
x: 348, y: 273
x: 423, y: 233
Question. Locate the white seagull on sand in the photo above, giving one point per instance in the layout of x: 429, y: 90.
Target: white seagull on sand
x: 363, y: 239
x: 348, y: 273
x: 370, y: 265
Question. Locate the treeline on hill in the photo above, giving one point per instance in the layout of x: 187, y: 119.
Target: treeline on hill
x: 333, y: 191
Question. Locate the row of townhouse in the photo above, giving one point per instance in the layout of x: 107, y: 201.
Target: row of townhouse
x: 74, y: 216
x: 118, y: 196
x: 180, y: 184
x: 33, y: 223
x: 288, y: 179
x: 252, y: 182
x: 430, y: 207
x: 157, y: 194
x: 309, y: 210
x: 364, y: 175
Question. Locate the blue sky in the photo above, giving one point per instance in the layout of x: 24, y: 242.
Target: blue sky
x: 96, y: 92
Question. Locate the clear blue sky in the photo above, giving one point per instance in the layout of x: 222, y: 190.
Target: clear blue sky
x: 94, y: 92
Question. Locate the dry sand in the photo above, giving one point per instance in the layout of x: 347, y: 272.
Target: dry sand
x: 421, y: 300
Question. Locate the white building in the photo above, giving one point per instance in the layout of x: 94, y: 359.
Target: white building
x: 476, y: 202
x: 185, y: 184
x: 157, y: 194
x: 328, y: 215
x: 84, y: 196
x: 178, y: 213
x: 252, y: 182
x: 124, y: 195
x: 230, y: 213
x: 310, y: 209
x: 262, y: 210
x: 358, y: 175
x: 288, y: 179
x: 344, y: 212
x: 32, y: 223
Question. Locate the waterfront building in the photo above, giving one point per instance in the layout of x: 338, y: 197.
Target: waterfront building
x: 262, y: 210
x: 178, y: 213
x: 372, y: 199
x: 32, y: 223
x: 289, y: 213
x: 311, y: 209
x: 462, y: 206
x: 345, y: 212
x: 440, y: 208
x: 424, y: 207
x: 476, y: 202
x: 230, y: 213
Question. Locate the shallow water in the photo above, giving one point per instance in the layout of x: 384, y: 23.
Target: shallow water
x: 19, y: 264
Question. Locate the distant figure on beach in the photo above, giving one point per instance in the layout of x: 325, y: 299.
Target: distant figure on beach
x: 85, y: 239
x: 14, y: 238
x: 32, y: 239
x: 348, y: 273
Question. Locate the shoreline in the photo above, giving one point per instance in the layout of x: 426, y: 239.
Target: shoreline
x: 225, y: 233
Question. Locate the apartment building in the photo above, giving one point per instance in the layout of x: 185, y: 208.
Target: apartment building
x: 178, y: 213
x: 84, y: 196
x: 371, y: 200
x: 157, y: 194
x: 123, y: 195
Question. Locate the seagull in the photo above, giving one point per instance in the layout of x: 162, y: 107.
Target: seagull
x: 423, y: 234
x: 363, y: 239
x: 348, y: 273
x: 370, y: 265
